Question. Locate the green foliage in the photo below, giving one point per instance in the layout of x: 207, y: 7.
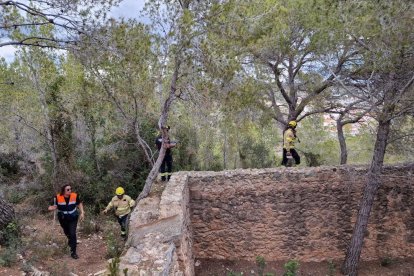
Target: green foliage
x: 387, y: 261
x: 291, y: 268
x: 113, y: 245
x: 9, y: 164
x: 113, y: 267
x: 232, y: 273
x: 261, y: 264
x: 11, y: 237
x: 331, y: 268
x: 8, y: 257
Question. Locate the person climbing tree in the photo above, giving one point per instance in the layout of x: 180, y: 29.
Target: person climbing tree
x: 66, y: 203
x: 289, y: 138
x: 167, y: 162
x: 122, y: 205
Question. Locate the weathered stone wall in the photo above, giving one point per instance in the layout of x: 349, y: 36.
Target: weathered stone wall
x: 160, y: 236
x: 305, y: 214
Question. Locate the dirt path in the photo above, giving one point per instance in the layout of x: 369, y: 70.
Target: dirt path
x: 45, y: 247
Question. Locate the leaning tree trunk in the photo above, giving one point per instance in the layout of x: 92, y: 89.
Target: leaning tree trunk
x: 161, y: 123
x: 342, y: 142
x: 350, y: 265
x: 6, y: 213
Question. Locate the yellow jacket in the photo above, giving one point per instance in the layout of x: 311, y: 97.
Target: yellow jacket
x: 122, y: 206
x: 289, y: 139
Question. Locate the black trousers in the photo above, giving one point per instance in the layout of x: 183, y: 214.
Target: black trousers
x: 166, y: 164
x: 69, y: 225
x: 294, y: 154
x: 123, y: 222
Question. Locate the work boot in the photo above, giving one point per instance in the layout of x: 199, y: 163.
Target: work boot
x: 74, y: 255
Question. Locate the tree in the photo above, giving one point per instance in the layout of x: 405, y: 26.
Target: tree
x: 6, y: 213
x: 390, y: 65
x: 281, y: 48
x: 70, y: 20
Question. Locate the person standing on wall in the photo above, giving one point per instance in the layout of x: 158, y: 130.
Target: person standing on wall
x: 122, y: 205
x: 289, y: 138
x: 167, y: 162
x: 67, y: 204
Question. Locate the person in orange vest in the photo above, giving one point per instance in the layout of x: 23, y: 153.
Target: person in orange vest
x: 67, y: 204
x: 122, y: 205
x: 289, y: 139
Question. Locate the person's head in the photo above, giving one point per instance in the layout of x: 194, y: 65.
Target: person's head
x: 119, y: 192
x: 66, y: 190
x: 292, y: 124
x: 166, y: 128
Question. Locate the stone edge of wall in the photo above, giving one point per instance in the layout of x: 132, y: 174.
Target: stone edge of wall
x: 162, y: 246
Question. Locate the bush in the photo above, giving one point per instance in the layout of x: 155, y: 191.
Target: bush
x: 291, y: 268
x: 113, y: 246
x: 261, y: 264
x: 387, y: 261
x: 11, y: 236
x: 9, y: 164
x: 331, y: 268
x: 8, y: 256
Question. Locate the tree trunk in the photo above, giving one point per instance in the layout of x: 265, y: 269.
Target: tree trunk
x: 342, y: 142
x: 6, y: 213
x: 350, y: 265
x: 161, y: 123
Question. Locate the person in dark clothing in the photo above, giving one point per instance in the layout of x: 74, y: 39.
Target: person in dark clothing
x: 289, y: 139
x: 67, y: 204
x: 167, y: 162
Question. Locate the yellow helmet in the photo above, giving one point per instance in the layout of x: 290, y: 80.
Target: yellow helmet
x: 293, y: 123
x: 119, y: 191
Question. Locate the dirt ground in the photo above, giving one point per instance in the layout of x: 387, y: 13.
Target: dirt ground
x: 238, y: 268
x: 44, y: 247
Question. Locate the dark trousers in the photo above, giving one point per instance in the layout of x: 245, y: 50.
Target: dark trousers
x: 294, y: 154
x: 167, y: 162
x: 123, y: 222
x: 69, y: 225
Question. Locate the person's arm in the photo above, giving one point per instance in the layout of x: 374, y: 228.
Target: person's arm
x: 82, y: 213
x: 54, y: 206
x: 131, y: 203
x: 108, y: 207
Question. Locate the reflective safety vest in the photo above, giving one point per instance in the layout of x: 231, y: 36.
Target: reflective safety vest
x: 64, y: 208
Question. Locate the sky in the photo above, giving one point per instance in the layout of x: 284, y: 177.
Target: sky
x: 126, y: 9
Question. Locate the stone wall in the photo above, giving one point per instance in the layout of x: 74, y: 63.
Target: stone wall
x: 160, y: 236
x: 305, y: 214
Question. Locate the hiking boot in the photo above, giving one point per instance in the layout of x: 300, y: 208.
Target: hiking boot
x: 74, y: 256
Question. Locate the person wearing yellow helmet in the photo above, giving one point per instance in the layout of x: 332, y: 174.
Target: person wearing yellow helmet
x: 122, y: 205
x: 289, y: 139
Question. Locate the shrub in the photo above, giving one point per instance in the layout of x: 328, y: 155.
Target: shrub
x: 113, y: 267
x: 291, y: 268
x: 11, y: 236
x: 331, y: 268
x: 261, y: 264
x: 387, y: 261
x: 113, y: 246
